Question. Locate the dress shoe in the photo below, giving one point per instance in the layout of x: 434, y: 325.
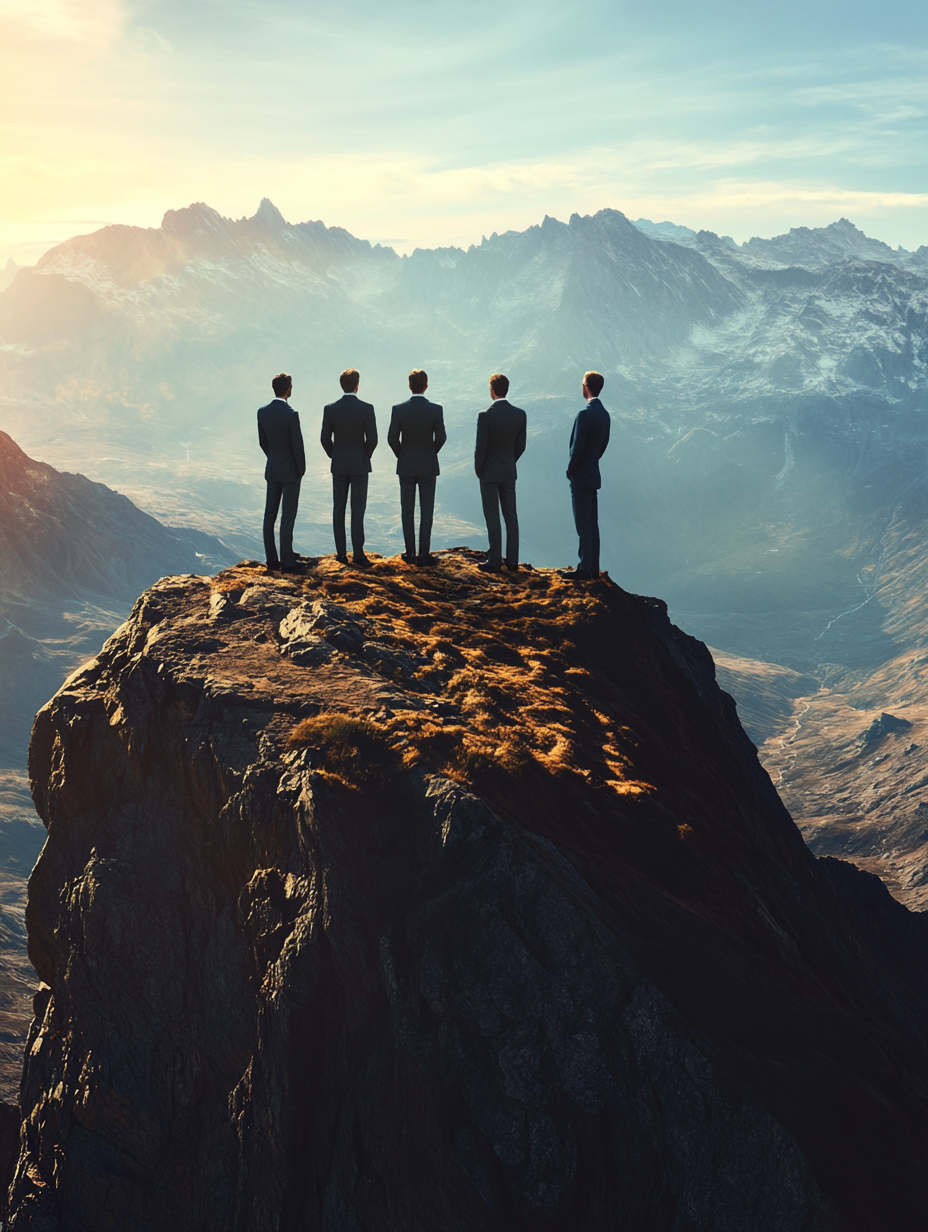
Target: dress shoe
x: 489, y: 567
x: 512, y: 568
x: 409, y: 558
x: 426, y: 562
x: 272, y: 566
x: 296, y: 567
x: 342, y: 558
x: 360, y: 561
x: 574, y: 575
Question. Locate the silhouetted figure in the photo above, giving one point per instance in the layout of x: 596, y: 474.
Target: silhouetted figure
x: 417, y: 432
x: 281, y: 439
x: 588, y: 440
x: 349, y: 437
x: 500, y: 443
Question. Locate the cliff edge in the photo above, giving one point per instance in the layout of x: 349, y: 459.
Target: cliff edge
x: 425, y: 900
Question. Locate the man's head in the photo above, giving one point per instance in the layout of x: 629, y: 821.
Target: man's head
x: 418, y: 381
x: 593, y: 383
x: 349, y: 380
x: 499, y: 385
x: 281, y: 385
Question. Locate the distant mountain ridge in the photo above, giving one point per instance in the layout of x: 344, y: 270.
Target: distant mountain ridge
x: 61, y: 534
x: 74, y: 555
x: 812, y: 247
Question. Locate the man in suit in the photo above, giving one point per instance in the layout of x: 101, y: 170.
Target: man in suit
x: 500, y: 443
x: 349, y: 437
x: 282, y: 441
x: 588, y: 440
x: 417, y: 432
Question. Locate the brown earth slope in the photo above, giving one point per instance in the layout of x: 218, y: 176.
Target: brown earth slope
x: 432, y: 900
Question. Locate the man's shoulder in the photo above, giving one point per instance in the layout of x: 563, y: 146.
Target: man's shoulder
x: 276, y: 406
x: 331, y: 406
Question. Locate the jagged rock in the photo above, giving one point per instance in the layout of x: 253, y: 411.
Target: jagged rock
x: 10, y: 1120
x: 523, y: 939
x: 883, y: 726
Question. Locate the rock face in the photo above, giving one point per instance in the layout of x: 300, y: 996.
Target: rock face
x: 431, y: 900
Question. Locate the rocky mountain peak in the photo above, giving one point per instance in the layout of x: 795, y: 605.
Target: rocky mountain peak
x: 819, y: 246
x: 196, y: 220
x: 269, y: 215
x: 433, y: 899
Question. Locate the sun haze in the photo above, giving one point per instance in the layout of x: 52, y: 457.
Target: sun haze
x: 465, y: 119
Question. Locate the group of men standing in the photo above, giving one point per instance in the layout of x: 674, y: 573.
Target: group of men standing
x: 416, y: 435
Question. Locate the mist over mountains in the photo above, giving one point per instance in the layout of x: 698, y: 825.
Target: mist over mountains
x: 767, y: 473
x: 768, y: 399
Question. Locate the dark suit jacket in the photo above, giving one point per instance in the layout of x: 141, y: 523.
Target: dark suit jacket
x: 281, y: 439
x: 500, y: 441
x: 588, y: 440
x: 349, y: 435
x: 417, y: 432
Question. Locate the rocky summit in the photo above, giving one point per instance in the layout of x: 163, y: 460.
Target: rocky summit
x: 428, y: 900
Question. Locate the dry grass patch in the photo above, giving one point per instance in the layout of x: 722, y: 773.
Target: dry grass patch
x: 351, y: 748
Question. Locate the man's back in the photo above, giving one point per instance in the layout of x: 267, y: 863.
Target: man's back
x: 281, y: 439
x: 417, y: 432
x: 588, y: 441
x: 349, y: 435
x: 501, y: 431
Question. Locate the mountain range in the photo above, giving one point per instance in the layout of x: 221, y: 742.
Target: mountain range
x: 767, y: 474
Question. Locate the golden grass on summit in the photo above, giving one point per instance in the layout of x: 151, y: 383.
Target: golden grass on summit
x: 499, y: 658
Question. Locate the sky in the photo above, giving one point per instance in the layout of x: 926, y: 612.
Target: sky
x: 417, y: 123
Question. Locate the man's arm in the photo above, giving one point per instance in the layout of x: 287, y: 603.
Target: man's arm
x: 296, y: 443
x: 328, y: 432
x: 518, y: 448
x: 440, y: 434
x: 577, y: 441
x: 480, y: 452
x: 394, y: 434
x: 370, y: 432
x: 606, y: 437
x: 262, y: 435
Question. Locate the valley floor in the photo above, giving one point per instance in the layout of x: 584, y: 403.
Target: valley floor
x: 849, y: 758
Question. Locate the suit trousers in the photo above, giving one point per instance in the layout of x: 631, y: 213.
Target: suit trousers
x: 341, y: 484
x: 585, y: 503
x: 426, y: 511
x: 496, y: 496
x: 289, y: 493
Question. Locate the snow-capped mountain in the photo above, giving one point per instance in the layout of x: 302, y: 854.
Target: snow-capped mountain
x: 767, y: 472
x: 769, y: 399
